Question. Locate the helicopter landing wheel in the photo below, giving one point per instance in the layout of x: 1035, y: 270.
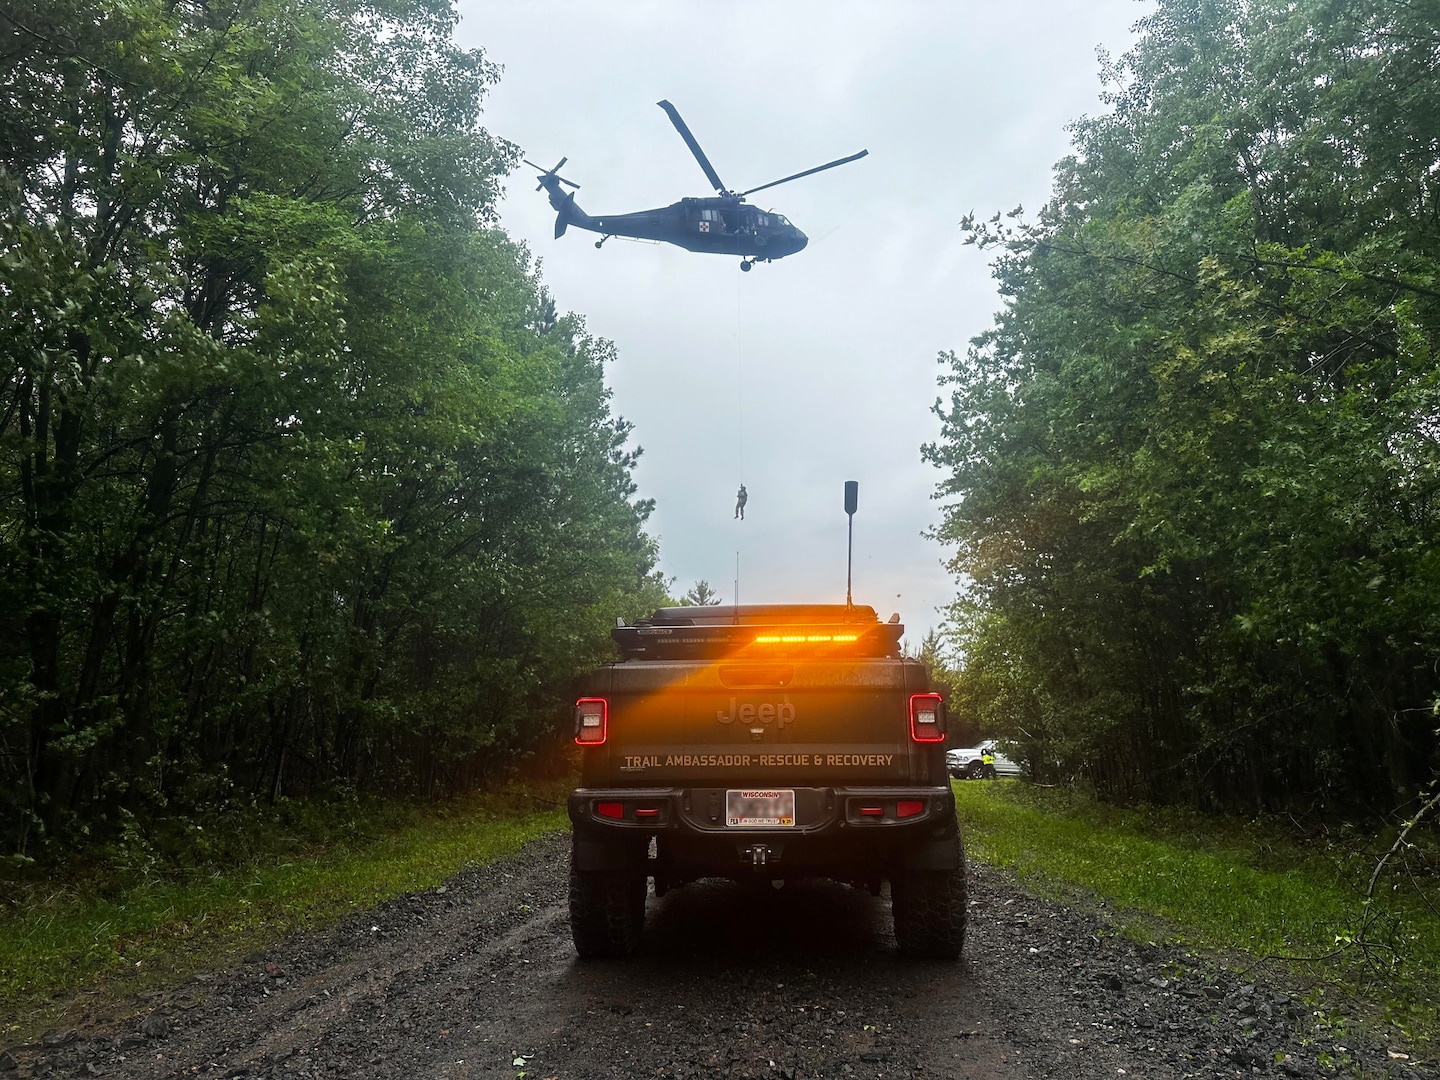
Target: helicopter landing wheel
x: 599, y: 243
x: 746, y: 266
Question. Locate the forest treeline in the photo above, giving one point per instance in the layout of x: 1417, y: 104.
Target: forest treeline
x: 303, y: 482
x: 1192, y: 474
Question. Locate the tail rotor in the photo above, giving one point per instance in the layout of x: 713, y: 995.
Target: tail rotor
x: 551, y: 174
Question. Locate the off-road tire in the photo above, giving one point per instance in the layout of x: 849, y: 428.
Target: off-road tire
x: 607, y: 912
x: 929, y: 908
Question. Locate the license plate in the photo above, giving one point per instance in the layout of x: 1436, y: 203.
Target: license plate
x: 762, y: 809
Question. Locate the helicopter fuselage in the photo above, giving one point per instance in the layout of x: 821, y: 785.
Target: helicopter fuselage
x: 717, y: 224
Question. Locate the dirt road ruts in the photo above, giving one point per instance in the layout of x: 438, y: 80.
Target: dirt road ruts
x: 478, y: 979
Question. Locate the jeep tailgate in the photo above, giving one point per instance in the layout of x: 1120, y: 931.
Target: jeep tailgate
x: 817, y: 722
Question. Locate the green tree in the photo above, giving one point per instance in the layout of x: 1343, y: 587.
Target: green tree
x: 302, y: 478
x: 1191, y: 473
x: 701, y: 594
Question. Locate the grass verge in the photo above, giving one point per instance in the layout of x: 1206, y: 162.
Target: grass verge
x: 141, y: 915
x: 1253, y: 887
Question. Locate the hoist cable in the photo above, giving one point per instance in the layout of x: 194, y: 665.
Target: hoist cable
x: 739, y: 424
x: 739, y: 385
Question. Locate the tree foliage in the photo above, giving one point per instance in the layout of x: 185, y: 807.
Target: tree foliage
x: 701, y: 594
x: 1192, y: 475
x: 302, y: 478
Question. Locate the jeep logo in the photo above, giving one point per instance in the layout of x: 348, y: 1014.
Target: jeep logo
x: 767, y: 712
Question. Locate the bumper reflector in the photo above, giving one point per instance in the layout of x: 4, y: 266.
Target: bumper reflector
x: 909, y: 807
x: 613, y: 810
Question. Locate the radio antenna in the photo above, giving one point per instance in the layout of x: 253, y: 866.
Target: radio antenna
x: 736, y: 608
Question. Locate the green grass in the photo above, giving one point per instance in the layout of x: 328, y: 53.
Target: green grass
x: 129, y: 918
x: 1229, y: 885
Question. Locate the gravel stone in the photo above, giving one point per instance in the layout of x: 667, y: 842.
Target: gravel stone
x: 156, y: 1025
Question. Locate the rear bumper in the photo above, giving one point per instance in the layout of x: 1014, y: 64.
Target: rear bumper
x: 837, y: 833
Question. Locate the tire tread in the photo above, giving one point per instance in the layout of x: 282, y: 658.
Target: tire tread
x: 930, y: 911
x: 607, y: 912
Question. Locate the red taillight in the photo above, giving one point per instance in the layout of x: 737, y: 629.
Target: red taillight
x: 592, y: 720
x: 613, y: 810
x: 909, y: 807
x: 927, y: 718
x: 647, y: 813
x: 872, y: 811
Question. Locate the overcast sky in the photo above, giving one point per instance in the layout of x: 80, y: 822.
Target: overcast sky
x: 821, y: 367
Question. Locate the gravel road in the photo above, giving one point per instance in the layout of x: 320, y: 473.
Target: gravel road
x: 477, y: 979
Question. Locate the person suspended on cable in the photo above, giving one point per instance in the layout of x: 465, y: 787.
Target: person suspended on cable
x: 740, y: 498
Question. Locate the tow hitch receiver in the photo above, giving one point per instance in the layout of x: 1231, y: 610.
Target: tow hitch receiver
x: 759, y: 855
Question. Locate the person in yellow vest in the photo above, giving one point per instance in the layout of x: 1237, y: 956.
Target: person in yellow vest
x: 987, y: 762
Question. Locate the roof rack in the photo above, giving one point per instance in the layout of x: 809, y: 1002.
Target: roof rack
x: 773, y: 614
x: 759, y: 630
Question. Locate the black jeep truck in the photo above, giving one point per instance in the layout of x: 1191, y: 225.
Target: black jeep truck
x: 764, y: 742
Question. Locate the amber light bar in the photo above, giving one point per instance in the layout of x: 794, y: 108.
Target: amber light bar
x: 805, y: 639
x: 723, y: 633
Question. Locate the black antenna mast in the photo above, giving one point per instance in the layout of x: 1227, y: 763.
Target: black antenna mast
x: 852, y: 498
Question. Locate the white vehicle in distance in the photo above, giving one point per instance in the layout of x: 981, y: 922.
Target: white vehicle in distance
x: 968, y: 763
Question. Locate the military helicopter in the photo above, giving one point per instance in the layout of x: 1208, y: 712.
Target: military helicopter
x: 723, y: 224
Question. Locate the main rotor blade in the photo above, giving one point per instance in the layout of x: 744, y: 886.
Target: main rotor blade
x: 807, y: 172
x: 710, y: 173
